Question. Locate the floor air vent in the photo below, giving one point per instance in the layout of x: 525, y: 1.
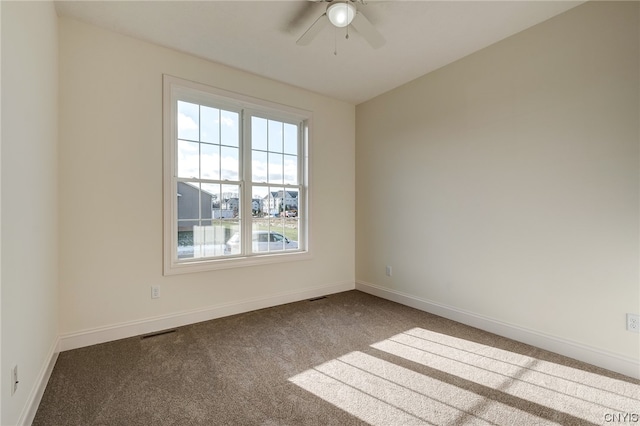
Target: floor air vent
x: 159, y: 333
x: 317, y: 298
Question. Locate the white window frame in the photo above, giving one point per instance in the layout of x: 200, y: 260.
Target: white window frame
x: 175, y: 89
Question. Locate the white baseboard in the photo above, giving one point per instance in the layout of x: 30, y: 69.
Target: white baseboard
x: 35, y: 396
x: 150, y: 325
x: 598, y: 357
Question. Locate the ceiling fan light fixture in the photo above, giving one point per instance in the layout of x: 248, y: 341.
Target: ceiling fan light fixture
x: 341, y: 14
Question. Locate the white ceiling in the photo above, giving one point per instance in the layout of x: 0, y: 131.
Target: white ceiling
x: 260, y: 36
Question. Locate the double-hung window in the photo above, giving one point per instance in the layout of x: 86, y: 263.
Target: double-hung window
x: 235, y: 179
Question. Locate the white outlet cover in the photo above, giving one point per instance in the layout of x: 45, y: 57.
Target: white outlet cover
x: 155, y: 292
x: 633, y: 323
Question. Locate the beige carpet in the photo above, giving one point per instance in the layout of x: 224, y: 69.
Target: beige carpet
x: 347, y: 359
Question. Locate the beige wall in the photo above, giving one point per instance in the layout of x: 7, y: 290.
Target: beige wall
x: 111, y: 185
x: 29, y: 200
x: 506, y: 184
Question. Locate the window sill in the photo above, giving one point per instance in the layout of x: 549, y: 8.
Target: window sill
x: 176, y: 268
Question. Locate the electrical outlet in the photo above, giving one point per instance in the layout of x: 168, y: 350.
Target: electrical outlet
x: 155, y: 291
x: 633, y: 323
x: 14, y: 379
x: 389, y: 271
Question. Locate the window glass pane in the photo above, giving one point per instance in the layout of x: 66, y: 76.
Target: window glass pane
x: 230, y: 163
x: 207, y: 193
x: 209, y: 239
x: 290, y: 202
x: 276, y: 229
x: 230, y: 201
x: 233, y: 236
x: 291, y: 169
x: 185, y: 239
x: 275, y: 136
x: 275, y: 168
x: 291, y: 231
x: 188, y: 200
x: 229, y: 128
x: 259, y: 133
x: 210, y: 124
x: 209, y: 161
x: 260, y: 236
x: 277, y: 201
x: 188, y: 121
x: 258, y: 166
x: 259, y: 199
x: 269, y: 203
x: 290, y: 139
x: 214, y: 190
x: 188, y: 159
x: 276, y: 241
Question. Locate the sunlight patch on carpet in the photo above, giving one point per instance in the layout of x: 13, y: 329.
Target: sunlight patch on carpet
x: 563, y: 389
x: 382, y: 393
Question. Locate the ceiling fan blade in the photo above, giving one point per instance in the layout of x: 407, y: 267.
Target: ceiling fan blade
x: 362, y: 25
x: 305, y: 14
x: 313, y: 30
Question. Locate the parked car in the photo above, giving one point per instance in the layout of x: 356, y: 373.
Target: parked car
x: 263, y: 241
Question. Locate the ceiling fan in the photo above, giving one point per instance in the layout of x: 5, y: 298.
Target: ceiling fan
x: 343, y: 13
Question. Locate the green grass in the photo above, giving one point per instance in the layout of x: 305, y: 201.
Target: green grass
x: 276, y: 225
